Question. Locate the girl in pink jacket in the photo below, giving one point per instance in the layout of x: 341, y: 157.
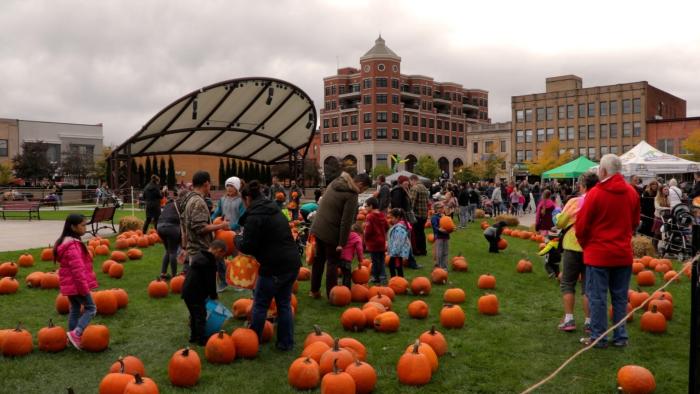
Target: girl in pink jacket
x: 76, y: 277
x: 352, y: 247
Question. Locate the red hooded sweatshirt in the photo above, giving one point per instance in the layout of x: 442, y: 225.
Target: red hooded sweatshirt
x: 606, y: 222
x: 376, y: 227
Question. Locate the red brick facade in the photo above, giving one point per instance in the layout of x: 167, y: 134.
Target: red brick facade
x: 668, y: 135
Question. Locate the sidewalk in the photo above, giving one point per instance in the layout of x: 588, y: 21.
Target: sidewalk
x: 20, y: 234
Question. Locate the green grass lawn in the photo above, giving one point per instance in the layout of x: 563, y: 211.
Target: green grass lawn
x: 51, y: 214
x: 499, y: 354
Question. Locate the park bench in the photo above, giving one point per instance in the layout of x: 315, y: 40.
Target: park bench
x: 100, y: 215
x: 31, y: 207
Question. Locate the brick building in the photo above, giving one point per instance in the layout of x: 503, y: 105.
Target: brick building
x: 484, y: 140
x: 667, y: 135
x: 591, y: 121
x: 375, y: 111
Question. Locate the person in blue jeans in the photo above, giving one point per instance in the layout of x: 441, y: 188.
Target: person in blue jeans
x: 266, y: 237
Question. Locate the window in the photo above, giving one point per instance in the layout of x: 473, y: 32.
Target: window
x: 454, y: 126
x: 528, y: 155
x: 394, y: 83
x: 528, y: 135
x: 627, y: 129
x: 591, y: 132
x: 528, y: 115
x: 519, y: 136
x: 353, y: 119
x: 431, y: 138
x: 540, y: 135
x: 328, y: 90
x: 353, y: 135
x: 626, y: 148
x: 603, y: 108
x: 603, y: 151
x: 475, y: 147
x: 613, y: 130
x: 368, y: 117
x: 423, y: 137
x: 368, y: 134
x: 562, y: 134
x: 325, y: 123
x: 424, y: 90
x: 550, y: 113
x: 326, y: 138
x: 439, y: 139
x: 461, y: 141
x: 334, y: 122
x: 406, y: 119
x: 381, y: 133
x: 636, y: 129
x: 603, y: 133
x: 582, y: 110
x: 381, y: 117
x: 636, y: 105
x: 394, y: 98
x: 570, y: 133
x: 431, y: 123
x: 591, y: 153
x: 613, y: 108
x: 613, y: 150
x: 627, y: 106
x: 332, y: 89
x: 333, y: 104
x: 540, y: 114
x: 488, y: 146
x: 406, y: 135
x: 414, y: 120
x: 367, y: 99
x: 344, y: 121
x: 334, y: 137
x: 381, y: 99
x: 439, y: 124
x: 582, y: 130
x: 550, y: 134
x: 460, y: 127
x: 344, y: 136
x: 341, y: 89
x: 591, y: 109
x: 3, y: 148
x: 570, y: 111
x: 367, y: 83
x: 394, y: 117
x: 519, y: 115
x: 414, y: 136
x: 423, y: 122
x: 454, y: 140
x: 519, y: 156
x: 503, y: 145
x: 582, y: 151
x: 665, y: 145
x: 562, y: 112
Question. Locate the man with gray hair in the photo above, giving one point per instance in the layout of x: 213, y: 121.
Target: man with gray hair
x: 605, y: 223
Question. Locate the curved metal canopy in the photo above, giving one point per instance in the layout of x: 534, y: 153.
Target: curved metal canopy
x: 257, y: 119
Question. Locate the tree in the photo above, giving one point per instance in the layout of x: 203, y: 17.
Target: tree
x: 381, y: 169
x: 239, y: 171
x: 550, y: 158
x: 148, y: 171
x: 467, y: 174
x: 222, y: 172
x: 77, y: 164
x: 6, y: 174
x: 692, y: 145
x: 171, y: 174
x: 162, y: 173
x: 141, y: 176
x: 268, y: 175
x: 228, y: 172
x: 427, y: 167
x: 33, y: 163
x: 489, y: 168
x: 312, y: 171
x: 102, y: 170
x: 154, y: 166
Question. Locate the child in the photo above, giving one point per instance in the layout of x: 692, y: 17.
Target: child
x: 442, y: 238
x: 399, y: 245
x: 352, y: 247
x: 200, y: 284
x: 552, y: 255
x: 376, y: 227
x: 493, y: 235
x: 77, y: 276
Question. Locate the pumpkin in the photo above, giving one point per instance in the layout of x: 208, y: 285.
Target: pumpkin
x: 637, y: 267
x: 279, y: 196
x: 359, y: 293
x: 25, y: 260
x: 106, y: 302
x: 387, y: 322
x: 95, y: 338
x: 398, y: 284
x: 669, y: 276
x: 141, y: 385
x: 52, y: 338
x: 49, y: 281
x: 176, y: 283
x: 118, y: 256
x: 335, y: 356
x: 34, y: 279
x: 134, y: 254
x: 315, y: 350
x: 105, y: 266
x: 383, y: 290
x: 304, y: 274
x: 459, y: 264
x: 454, y: 296
x: 246, y: 341
x: 62, y: 304
x: 304, y: 374
x: 17, y: 342
x: 242, y: 308
x: 447, y: 224
x: 418, y: 309
x: 47, y: 254
x: 431, y: 238
x: 8, y: 269
x: 102, y: 250
x: 439, y: 276
x: 158, y: 288
x: 337, y: 382
x: 131, y: 366
x: 452, y: 316
x: 486, y: 281
x: 339, y: 296
x: 664, y: 306
x: 435, y: 339
x: 220, y: 349
x: 242, y: 272
x: 184, y: 368
x: 502, y: 244
x: 420, y: 286
x: 360, y: 275
x: 657, y: 294
x: 372, y: 310
x: 484, y: 225
x: 318, y: 335
x: 414, y: 368
x: 122, y: 297
x: 646, y: 260
x: 428, y: 352
x: 8, y: 285
x: 121, y: 243
x: 227, y: 236
x: 524, y: 266
x: 353, y: 319
x: 636, y: 298
x: 382, y: 299
x: 634, y: 379
x: 488, y: 304
x: 646, y: 278
x: 364, y: 375
x: 116, y: 271
x: 653, y: 321
x: 355, y: 347
x: 268, y: 332
x: 115, y: 382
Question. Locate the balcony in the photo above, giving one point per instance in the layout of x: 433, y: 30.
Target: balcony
x: 467, y: 105
x: 406, y: 93
x: 349, y: 95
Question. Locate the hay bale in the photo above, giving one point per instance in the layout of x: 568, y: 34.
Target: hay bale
x: 510, y: 220
x: 130, y: 223
x: 480, y: 214
x: 642, y: 246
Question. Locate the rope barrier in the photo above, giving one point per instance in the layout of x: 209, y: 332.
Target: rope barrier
x: 605, y: 334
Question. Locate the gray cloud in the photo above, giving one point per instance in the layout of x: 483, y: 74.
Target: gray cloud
x: 120, y: 62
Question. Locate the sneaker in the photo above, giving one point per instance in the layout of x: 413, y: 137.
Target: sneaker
x: 568, y: 326
x: 314, y: 294
x: 587, y: 328
x: 586, y: 341
x: 620, y: 343
x: 74, y: 339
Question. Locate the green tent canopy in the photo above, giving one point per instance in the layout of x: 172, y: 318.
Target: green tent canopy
x: 571, y: 169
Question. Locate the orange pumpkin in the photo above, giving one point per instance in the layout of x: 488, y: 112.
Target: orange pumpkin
x: 318, y: 336
x: 8, y: 269
x: 304, y: 374
x: 16, y: 342
x: 635, y: 379
x: 62, y: 304
x: 118, y: 256
x: 304, y: 274
x: 337, y: 382
x: 669, y: 276
x: 459, y: 264
x: 454, y: 296
x: 242, y: 271
x: 353, y: 319
x: 8, y: 285
x: 486, y: 281
x: 428, y: 351
x: 184, y: 368
x: 122, y: 297
x: 359, y: 293
x: 49, y: 281
x: 220, y: 349
x: 372, y: 310
x: 447, y: 224
x: 452, y: 316
x: 360, y: 275
x: 34, y: 279
x: 131, y: 365
x: 95, y: 338
x: 646, y: 278
x: 315, y: 350
x: 664, y: 306
x: 488, y: 304
x: 502, y: 244
x: 242, y: 308
x: 414, y: 368
x: 52, y: 338
x: 387, y: 322
x: 157, y: 288
x: 653, y: 321
x: 355, y: 347
x: 115, y: 382
x: 383, y: 290
x: 439, y: 276
x: 339, y: 296
x: 382, y: 299
x: 25, y: 260
x: 47, y: 254
x: 418, y: 309
x: 364, y: 375
x: 228, y: 236
x: 106, y: 302
x: 398, y: 284
x: 246, y: 341
x: 435, y: 339
x: 116, y: 271
x: 121, y: 243
x: 420, y: 286
x: 524, y: 266
x: 101, y: 250
x: 335, y: 355
x: 134, y: 254
x: 141, y: 385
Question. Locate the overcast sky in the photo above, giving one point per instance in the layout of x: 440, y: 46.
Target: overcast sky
x: 120, y: 62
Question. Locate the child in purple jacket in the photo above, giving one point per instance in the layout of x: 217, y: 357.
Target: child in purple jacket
x: 76, y: 277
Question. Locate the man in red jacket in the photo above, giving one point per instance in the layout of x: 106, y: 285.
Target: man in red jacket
x: 604, y: 228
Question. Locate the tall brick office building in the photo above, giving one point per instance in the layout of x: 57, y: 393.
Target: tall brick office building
x: 375, y: 111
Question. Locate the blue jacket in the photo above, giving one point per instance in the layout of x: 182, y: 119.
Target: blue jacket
x: 232, y: 220
x: 399, y: 241
x: 435, y: 222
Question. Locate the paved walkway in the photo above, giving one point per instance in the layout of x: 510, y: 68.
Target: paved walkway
x: 20, y: 234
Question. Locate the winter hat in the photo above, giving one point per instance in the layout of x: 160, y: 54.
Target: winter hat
x: 235, y: 182
x: 402, y: 179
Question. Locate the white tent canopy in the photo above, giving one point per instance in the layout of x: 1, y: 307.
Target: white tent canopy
x: 646, y: 161
x: 395, y: 176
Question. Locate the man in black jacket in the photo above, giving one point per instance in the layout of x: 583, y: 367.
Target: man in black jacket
x: 152, y: 197
x: 384, y: 193
x: 695, y: 192
x: 266, y: 236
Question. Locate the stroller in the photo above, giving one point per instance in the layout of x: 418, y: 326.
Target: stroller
x: 487, y: 206
x: 110, y: 198
x: 676, y: 233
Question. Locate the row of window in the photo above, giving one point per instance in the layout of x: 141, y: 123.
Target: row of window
x: 605, y: 108
x: 3, y: 148
x: 488, y: 146
x: 381, y: 117
x: 382, y: 82
x: 590, y: 152
x: 669, y: 146
x: 381, y: 133
x: 629, y: 129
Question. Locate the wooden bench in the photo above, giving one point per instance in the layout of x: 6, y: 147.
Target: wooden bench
x: 100, y: 215
x: 30, y: 207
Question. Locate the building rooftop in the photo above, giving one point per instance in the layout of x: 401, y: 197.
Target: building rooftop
x: 380, y: 51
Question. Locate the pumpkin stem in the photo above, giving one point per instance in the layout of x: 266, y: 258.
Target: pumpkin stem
x: 358, y: 362
x: 336, y: 345
x: 186, y: 351
x: 416, y: 346
x: 221, y: 334
x: 122, y: 367
x: 308, y: 360
x: 137, y: 378
x: 70, y: 390
x: 51, y: 323
x: 432, y: 330
x: 653, y: 308
x: 335, y: 366
x: 19, y: 326
x: 317, y: 329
